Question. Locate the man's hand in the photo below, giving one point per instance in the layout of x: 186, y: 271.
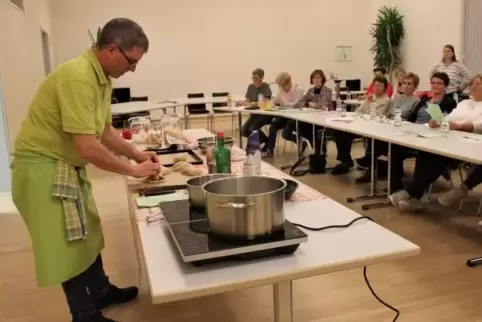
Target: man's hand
x: 433, y: 124
x: 147, y: 156
x: 145, y: 169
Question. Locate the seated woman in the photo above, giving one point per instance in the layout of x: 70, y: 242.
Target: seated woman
x: 379, y: 102
x: 405, y: 103
x: 288, y: 94
x: 466, y: 117
x: 378, y: 72
x: 413, y: 110
x: 472, y: 124
x: 399, y: 86
x: 318, y: 97
x: 257, y: 90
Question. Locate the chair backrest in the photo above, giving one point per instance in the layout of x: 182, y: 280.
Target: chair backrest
x: 122, y: 94
x: 139, y: 99
x: 220, y: 94
x: 196, y: 108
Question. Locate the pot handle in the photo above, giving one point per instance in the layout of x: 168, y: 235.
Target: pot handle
x: 236, y: 205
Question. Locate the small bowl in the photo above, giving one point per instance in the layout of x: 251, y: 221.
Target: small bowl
x: 290, y: 189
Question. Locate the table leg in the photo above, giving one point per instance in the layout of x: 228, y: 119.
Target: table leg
x: 283, y: 301
x: 240, y: 124
x: 389, y: 182
x: 373, y: 183
x: 474, y: 262
x: 185, y: 117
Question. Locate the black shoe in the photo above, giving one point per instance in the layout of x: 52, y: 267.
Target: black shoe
x: 97, y: 317
x: 364, y: 162
x: 342, y: 168
x: 115, y: 296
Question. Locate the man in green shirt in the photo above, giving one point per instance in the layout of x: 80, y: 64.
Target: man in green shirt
x: 68, y: 126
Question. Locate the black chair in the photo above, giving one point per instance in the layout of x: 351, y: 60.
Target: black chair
x: 122, y: 94
x: 197, y: 109
x: 139, y: 99
x: 233, y: 115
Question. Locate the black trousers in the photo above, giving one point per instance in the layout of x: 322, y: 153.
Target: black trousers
x: 277, y: 124
x: 398, y: 156
x: 428, y: 167
x: 474, y: 178
x: 306, y: 131
x: 255, y: 123
x: 82, y: 290
x: 344, y: 142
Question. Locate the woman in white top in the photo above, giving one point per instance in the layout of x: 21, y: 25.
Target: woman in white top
x: 458, y: 73
x: 288, y: 94
x: 466, y: 117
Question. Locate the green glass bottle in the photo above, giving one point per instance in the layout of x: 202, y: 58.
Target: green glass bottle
x: 222, y: 155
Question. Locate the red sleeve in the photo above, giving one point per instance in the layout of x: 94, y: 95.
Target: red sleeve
x: 389, y: 90
x: 370, y: 89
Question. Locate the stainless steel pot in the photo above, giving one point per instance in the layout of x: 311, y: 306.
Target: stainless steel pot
x: 194, y: 187
x: 249, y: 207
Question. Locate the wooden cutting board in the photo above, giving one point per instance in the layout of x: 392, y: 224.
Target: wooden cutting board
x: 171, y: 180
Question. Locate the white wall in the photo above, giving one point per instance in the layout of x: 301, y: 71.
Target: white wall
x: 213, y: 45
x: 21, y: 62
x: 429, y: 25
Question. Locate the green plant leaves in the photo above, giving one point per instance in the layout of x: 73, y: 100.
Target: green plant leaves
x: 387, y: 35
x: 92, y: 39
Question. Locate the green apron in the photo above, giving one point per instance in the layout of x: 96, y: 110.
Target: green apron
x: 56, y: 259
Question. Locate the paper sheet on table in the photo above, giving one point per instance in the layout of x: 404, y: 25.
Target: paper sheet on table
x: 153, y: 201
x: 435, y: 113
x: 430, y: 134
x: 473, y: 137
x: 341, y: 119
x: 407, y: 132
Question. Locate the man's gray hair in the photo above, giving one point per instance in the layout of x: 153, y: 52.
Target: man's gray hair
x: 258, y: 72
x: 124, y: 33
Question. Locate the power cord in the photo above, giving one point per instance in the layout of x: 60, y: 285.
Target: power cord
x: 397, y: 312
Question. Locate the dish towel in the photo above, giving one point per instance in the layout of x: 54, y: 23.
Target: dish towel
x: 67, y: 189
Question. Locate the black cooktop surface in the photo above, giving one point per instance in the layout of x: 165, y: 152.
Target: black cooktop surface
x: 190, y: 230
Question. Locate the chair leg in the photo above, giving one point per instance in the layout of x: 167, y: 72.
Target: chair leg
x: 461, y: 174
x: 429, y: 195
x: 479, y: 208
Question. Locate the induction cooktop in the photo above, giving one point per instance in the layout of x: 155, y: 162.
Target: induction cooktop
x: 189, y: 228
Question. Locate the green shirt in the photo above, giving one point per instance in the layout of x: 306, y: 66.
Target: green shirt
x: 73, y: 99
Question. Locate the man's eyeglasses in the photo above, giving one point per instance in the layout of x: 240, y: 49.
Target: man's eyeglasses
x: 130, y: 61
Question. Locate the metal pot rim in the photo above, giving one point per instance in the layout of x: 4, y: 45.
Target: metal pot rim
x: 224, y: 175
x: 203, y: 187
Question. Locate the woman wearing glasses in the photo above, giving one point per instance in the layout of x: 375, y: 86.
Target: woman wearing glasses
x: 288, y: 94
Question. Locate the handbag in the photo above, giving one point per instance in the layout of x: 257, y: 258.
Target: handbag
x: 316, y: 162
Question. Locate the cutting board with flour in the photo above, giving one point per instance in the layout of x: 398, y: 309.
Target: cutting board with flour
x: 174, y: 179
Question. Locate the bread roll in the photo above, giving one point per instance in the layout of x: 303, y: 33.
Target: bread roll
x: 192, y: 171
x: 166, y: 171
x: 179, y: 166
x: 154, y: 178
x: 180, y: 158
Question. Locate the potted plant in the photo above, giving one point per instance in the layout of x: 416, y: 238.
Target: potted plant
x: 387, y: 34
x: 92, y: 39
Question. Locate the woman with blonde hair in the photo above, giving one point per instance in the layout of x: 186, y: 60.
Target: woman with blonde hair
x: 399, y: 86
x: 288, y: 94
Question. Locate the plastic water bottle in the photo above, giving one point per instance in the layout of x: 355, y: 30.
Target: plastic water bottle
x: 397, y: 119
x: 252, y: 163
x: 338, y: 105
x: 445, y: 126
x: 343, y: 110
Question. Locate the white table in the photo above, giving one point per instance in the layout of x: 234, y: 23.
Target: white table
x: 136, y: 107
x: 364, y: 243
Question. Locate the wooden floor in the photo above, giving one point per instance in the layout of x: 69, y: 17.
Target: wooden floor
x: 434, y: 286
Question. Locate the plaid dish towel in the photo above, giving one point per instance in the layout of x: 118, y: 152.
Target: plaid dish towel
x: 67, y: 189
